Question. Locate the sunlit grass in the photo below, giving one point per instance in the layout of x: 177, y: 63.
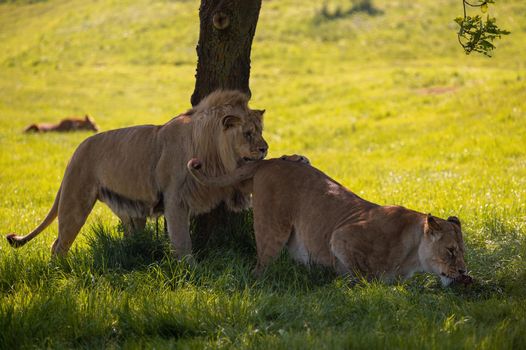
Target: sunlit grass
x: 387, y: 105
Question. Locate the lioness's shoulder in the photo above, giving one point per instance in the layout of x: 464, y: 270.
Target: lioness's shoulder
x: 285, y: 166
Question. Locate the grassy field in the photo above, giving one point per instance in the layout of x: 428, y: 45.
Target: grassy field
x: 388, y: 105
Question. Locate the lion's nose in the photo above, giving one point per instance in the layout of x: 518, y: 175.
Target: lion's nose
x: 461, y: 271
x: 263, y: 149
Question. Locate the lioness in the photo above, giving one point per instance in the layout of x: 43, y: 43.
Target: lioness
x: 68, y: 124
x: 141, y: 171
x: 320, y: 221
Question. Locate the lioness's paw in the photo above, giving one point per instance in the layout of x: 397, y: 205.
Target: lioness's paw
x: 464, y: 280
x: 187, y: 259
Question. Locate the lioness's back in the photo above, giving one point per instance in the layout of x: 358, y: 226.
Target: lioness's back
x: 300, y: 187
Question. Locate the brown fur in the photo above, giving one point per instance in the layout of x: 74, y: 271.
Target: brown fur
x: 141, y: 171
x: 320, y: 221
x: 65, y: 125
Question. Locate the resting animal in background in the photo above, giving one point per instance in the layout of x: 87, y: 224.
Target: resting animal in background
x: 141, y: 171
x: 68, y: 124
x: 320, y: 221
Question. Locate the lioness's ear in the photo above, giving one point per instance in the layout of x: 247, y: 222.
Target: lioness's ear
x: 260, y: 113
x: 229, y: 121
x: 432, y: 223
x: 454, y: 220
x: 432, y: 228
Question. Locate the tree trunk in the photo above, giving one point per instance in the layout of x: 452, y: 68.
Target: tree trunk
x: 227, y: 28
x: 225, y: 40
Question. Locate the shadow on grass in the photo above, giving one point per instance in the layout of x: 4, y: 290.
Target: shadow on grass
x: 362, y: 6
x: 120, y: 289
x: 234, y: 232
x: 110, y: 250
x: 66, y: 317
x: 226, y: 260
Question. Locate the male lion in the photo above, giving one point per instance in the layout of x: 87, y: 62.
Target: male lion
x: 68, y: 124
x: 141, y: 171
x: 320, y: 221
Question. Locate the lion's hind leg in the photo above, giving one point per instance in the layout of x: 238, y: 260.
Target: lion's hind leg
x: 76, y: 202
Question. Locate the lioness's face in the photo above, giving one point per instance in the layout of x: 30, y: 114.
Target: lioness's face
x: 442, y: 249
x: 244, y: 134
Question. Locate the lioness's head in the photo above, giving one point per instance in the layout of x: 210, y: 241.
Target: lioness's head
x: 442, y: 249
x: 226, y: 126
x: 89, y: 124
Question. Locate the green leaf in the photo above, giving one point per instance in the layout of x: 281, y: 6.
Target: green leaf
x: 477, y: 34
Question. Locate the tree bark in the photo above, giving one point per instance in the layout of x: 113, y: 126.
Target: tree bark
x: 225, y: 41
x: 227, y: 28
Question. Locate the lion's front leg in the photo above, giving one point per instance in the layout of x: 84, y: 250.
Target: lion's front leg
x: 177, y: 218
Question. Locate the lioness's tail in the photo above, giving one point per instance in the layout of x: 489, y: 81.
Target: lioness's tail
x: 31, y: 128
x: 18, y: 241
x: 242, y: 173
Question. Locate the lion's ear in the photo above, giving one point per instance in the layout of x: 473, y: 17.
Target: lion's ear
x: 454, y: 220
x: 229, y: 121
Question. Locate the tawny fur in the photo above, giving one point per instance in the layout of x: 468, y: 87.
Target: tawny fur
x: 65, y: 125
x: 322, y: 222
x: 141, y: 171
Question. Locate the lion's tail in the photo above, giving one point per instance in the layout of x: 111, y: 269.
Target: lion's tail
x: 242, y: 173
x: 18, y: 241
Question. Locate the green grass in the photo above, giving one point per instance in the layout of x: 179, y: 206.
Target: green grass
x: 388, y: 105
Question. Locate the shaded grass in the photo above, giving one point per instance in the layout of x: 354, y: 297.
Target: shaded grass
x: 387, y: 105
x: 96, y: 298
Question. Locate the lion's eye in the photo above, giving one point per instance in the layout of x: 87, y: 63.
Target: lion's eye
x: 248, y: 134
x: 451, y: 251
